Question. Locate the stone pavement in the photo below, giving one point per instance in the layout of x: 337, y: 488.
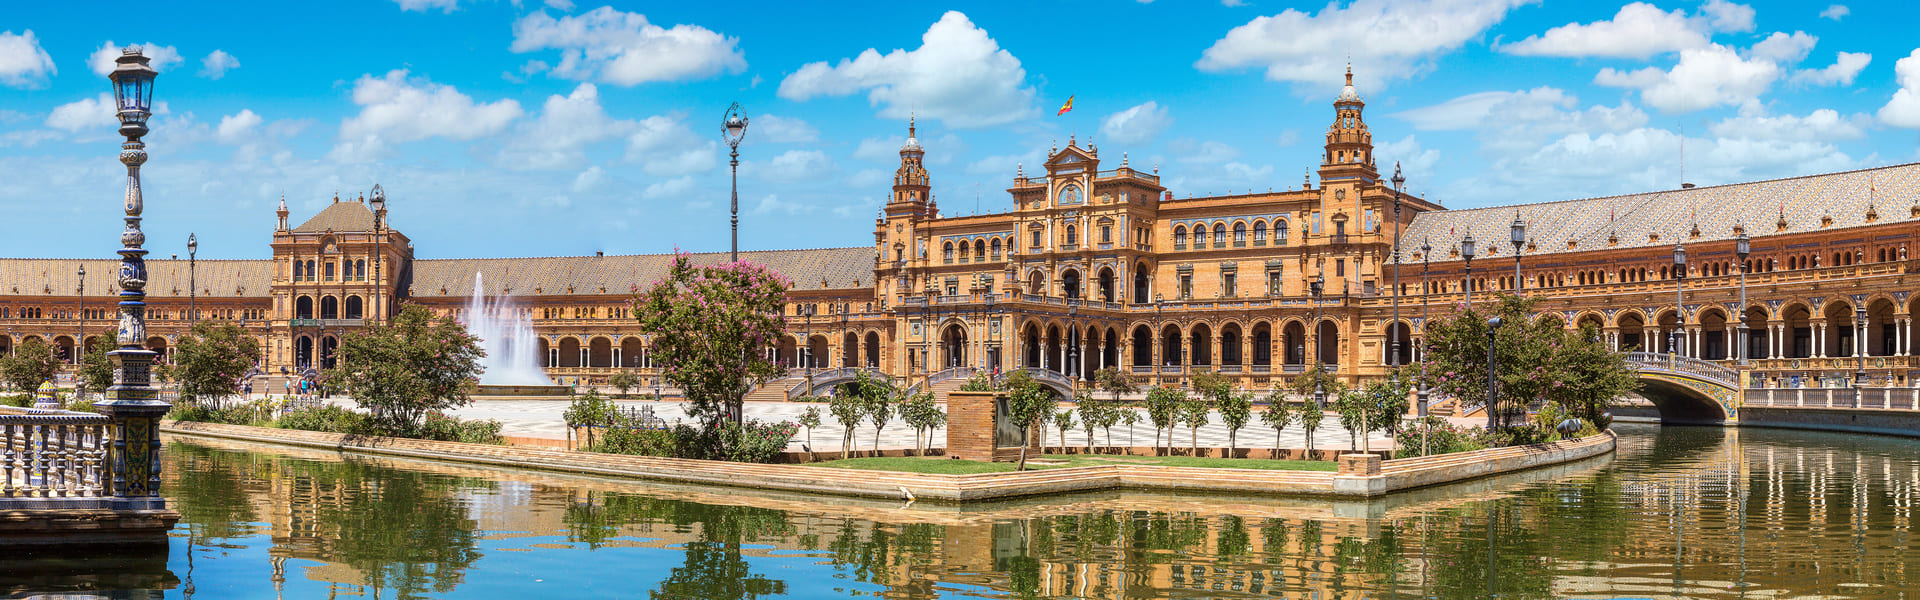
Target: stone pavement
x: 541, y: 419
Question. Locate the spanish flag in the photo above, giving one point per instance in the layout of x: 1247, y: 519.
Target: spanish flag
x: 1065, y: 107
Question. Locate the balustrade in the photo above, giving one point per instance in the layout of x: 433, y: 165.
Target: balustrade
x: 54, y: 454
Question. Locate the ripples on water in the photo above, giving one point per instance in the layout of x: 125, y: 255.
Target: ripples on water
x: 1678, y: 512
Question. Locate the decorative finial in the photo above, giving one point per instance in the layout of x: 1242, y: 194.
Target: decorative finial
x: 910, y: 125
x: 1123, y: 159
x: 1020, y: 170
x: 1349, y: 70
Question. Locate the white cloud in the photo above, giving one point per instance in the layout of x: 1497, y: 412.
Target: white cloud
x: 1187, y: 150
x: 159, y: 57
x: 237, y: 127
x: 1704, y: 78
x: 23, y: 63
x: 1903, y: 110
x: 1388, y: 39
x: 1845, y: 67
x: 665, y: 147
x: 1414, y: 159
x: 1835, y: 12
x: 622, y: 48
x: 1005, y: 165
x: 779, y: 129
x: 217, y: 63
x: 1137, y: 125
x: 399, y: 109
x: 959, y: 75
x: 87, y: 113
x: 1639, y: 30
x: 671, y: 188
x: 1585, y: 165
x: 559, y: 137
x: 561, y: 4
x: 799, y: 165
x: 772, y: 204
x: 1818, y: 126
x: 1727, y: 16
x: 869, y: 178
x: 589, y: 180
x: 1783, y: 48
x: 886, y: 148
x: 445, y: 6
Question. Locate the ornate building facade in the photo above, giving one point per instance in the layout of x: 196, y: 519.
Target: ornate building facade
x: 1102, y: 266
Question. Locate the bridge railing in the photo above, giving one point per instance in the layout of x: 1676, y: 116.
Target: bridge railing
x: 1043, y: 375
x: 939, y: 376
x: 1884, y: 398
x: 54, y: 454
x: 1672, y: 363
x: 841, y: 374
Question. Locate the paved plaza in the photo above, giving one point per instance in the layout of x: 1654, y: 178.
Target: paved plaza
x: 542, y: 419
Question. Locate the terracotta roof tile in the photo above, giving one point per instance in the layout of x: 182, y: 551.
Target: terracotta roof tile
x: 165, y: 278
x: 841, y: 268
x: 347, y: 215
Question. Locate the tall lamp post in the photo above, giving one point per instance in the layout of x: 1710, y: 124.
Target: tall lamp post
x: 1393, y: 331
x: 193, y: 310
x: 1466, y: 251
x: 1518, y: 232
x: 1493, y: 415
x: 1317, y: 285
x: 1073, y: 346
x: 1742, y: 245
x: 1859, y: 349
x: 80, y: 333
x: 734, y: 127
x: 1420, y: 397
x: 1679, y: 299
x: 132, y: 402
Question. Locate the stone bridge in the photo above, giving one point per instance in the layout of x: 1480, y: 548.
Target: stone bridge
x: 823, y: 382
x: 1687, y: 390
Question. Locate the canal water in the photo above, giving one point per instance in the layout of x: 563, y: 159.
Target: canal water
x: 1677, y: 512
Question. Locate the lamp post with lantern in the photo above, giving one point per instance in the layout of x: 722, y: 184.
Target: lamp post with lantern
x: 1743, y: 245
x: 193, y: 310
x: 1679, y: 300
x: 1393, y: 331
x: 1466, y: 251
x: 1317, y: 285
x: 733, y: 128
x: 80, y: 327
x: 132, y: 402
x: 1518, y: 235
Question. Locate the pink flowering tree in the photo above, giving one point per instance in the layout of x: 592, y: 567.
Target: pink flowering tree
x: 711, y: 327
x: 408, y: 366
x: 1537, y: 359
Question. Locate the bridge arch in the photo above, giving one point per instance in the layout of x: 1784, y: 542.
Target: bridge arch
x: 1686, y: 391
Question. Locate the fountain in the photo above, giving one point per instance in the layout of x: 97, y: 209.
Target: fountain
x: 512, y: 364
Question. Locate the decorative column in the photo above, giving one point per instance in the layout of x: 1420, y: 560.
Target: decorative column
x: 132, y: 403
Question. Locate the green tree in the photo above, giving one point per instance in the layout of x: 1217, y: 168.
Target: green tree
x: 848, y: 405
x: 407, y: 366
x: 1194, y: 413
x: 710, y: 328
x: 1536, y: 359
x: 979, y: 382
x: 1063, y: 421
x: 1028, y: 405
x: 1163, y: 405
x: 1236, y: 408
x: 1116, y: 381
x: 1303, y: 384
x: 810, y: 419
x: 1278, y: 417
x: 1092, y: 414
x: 624, y: 381
x: 879, y: 404
x: 31, y: 364
x: 923, y: 415
x: 1309, y: 416
x: 589, y: 411
x: 209, y: 361
x: 96, y: 368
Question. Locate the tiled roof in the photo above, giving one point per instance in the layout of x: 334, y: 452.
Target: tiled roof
x: 165, y: 278
x: 348, y: 215
x: 842, y: 268
x: 1673, y: 214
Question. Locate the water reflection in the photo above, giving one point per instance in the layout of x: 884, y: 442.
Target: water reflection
x: 1686, y: 512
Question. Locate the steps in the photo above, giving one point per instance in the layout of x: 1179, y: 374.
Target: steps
x: 940, y: 389
x: 773, y: 391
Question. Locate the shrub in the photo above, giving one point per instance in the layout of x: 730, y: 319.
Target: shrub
x: 752, y: 441
x: 979, y: 382
x: 438, y: 426
x: 1436, y: 436
x: 326, y: 418
x: 19, y: 400
x: 1517, y: 435
x: 247, y: 414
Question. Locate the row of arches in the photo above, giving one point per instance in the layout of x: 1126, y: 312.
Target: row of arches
x: 330, y: 308
x: 1239, y: 228
x: 816, y: 352
x: 1798, y: 329
x: 981, y: 249
x: 309, y: 270
x: 63, y: 345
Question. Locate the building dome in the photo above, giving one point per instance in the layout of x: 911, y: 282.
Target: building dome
x: 1348, y: 94
x: 913, y: 141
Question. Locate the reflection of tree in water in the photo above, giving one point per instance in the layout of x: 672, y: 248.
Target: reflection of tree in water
x: 209, y: 488
x: 712, y: 567
x: 402, y: 530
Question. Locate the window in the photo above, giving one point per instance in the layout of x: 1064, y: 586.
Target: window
x: 1219, y: 235
x: 1036, y: 237
x: 1227, y: 287
x: 1071, y: 238
x: 1240, y: 234
x: 979, y: 250
x: 329, y: 271
x: 1340, y: 267
x: 1180, y: 236
x: 299, y: 270
x: 1280, y: 233
x: 1316, y: 222
x: 1106, y: 234
x: 1259, y: 231
x: 947, y: 252
x: 1273, y: 283
x: 1186, y: 286
x: 996, y: 248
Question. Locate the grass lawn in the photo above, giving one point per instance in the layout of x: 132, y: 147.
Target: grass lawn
x: 945, y: 466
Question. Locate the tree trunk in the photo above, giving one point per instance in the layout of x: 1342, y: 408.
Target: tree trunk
x: 1193, y: 441
x: 1232, y: 440
x: 1276, y: 445
x: 1024, y: 435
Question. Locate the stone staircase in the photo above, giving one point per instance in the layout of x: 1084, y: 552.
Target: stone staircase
x: 773, y: 391
x: 940, y: 388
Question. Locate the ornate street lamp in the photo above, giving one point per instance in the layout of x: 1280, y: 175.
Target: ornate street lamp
x: 733, y: 127
x: 1073, y: 345
x: 1742, y: 245
x: 193, y: 311
x: 1679, y: 299
x: 1518, y: 233
x: 1493, y: 415
x: 1317, y: 285
x: 1859, y: 348
x: 132, y: 402
x: 1426, y: 250
x: 1466, y: 251
x: 1393, y: 331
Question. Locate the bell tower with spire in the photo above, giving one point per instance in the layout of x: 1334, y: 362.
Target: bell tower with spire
x: 1349, y: 150
x: 912, y: 188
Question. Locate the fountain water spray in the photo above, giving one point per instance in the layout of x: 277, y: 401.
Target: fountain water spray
x: 506, y: 333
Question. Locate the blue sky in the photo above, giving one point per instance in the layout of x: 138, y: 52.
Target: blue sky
x: 525, y: 128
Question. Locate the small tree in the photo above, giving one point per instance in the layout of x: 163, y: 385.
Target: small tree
x: 1194, y: 413
x: 1116, y: 381
x: 1351, y: 407
x: 1028, y: 403
x: 1536, y: 359
x: 1063, y: 421
x: 589, y: 411
x: 711, y: 327
x: 1127, y: 415
x: 211, y: 358
x: 405, y: 367
x: 979, y: 382
x: 1092, y: 414
x: 96, y: 368
x: 1163, y: 405
x: 810, y: 419
x: 923, y: 415
x: 624, y: 381
x: 848, y: 404
x: 1235, y: 407
x: 1278, y: 417
x: 32, y: 364
x: 1309, y: 417
x: 879, y: 407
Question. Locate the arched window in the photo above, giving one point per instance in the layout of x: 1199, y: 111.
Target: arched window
x: 1239, y: 233
x: 1280, y: 233
x: 1071, y: 237
x: 303, y: 307
x: 1219, y: 235
x: 1259, y: 231
x: 1180, y: 235
x: 947, y: 252
x: 979, y: 250
x: 299, y: 270
x: 353, y: 307
x: 310, y: 271
x: 360, y: 270
x: 996, y: 248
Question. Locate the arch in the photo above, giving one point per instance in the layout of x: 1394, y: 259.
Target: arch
x: 1200, y: 340
x: 329, y: 351
x: 1179, y: 236
x: 354, y: 308
x: 633, y: 352
x: 1142, y: 346
x: 1326, y: 343
x: 547, y: 359
x: 946, y: 252
x: 1230, y: 338
x: 1239, y: 232
x: 1037, y: 283
x: 1070, y: 283
x: 1294, y: 343
x: 1055, y: 354
x: 1030, y: 339
x: 872, y: 353
x: 1106, y: 284
x: 1403, y: 333
x: 329, y: 307
x: 953, y: 345
x: 569, y: 352
x: 994, y: 245
x: 1170, y: 354
x: 6, y: 345
x: 1263, y: 344
x: 1259, y: 231
x: 1680, y: 400
x: 816, y: 348
x: 1280, y: 229
x: 849, y: 349
x: 1140, y: 283
x: 1839, y: 339
x: 1219, y: 234
x: 979, y: 250
x: 303, y: 307
x: 1716, y: 330
x: 1110, y: 348
x: 1796, y: 319
x: 63, y: 347
x: 600, y: 352
x: 302, y: 352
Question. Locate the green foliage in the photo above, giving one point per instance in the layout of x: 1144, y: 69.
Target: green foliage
x: 1163, y: 405
x: 258, y: 413
x: 624, y: 381
x: 846, y: 408
x: 408, y: 366
x: 979, y: 382
x: 1063, y: 421
x: 1536, y: 359
x: 1376, y: 407
x: 1309, y: 417
x: 1236, y: 408
x: 1116, y: 381
x: 442, y: 427
x: 209, y: 361
x: 31, y: 364
x: 752, y: 441
x: 1092, y: 414
x: 590, y: 411
x: 96, y: 369
x: 879, y: 403
x: 1278, y: 417
x: 1303, y: 384
x: 1029, y: 403
x: 711, y: 326
x: 1433, y: 436
x: 923, y: 415
x: 17, y: 400
x: 811, y: 419
x: 327, y: 418
x: 1194, y: 413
